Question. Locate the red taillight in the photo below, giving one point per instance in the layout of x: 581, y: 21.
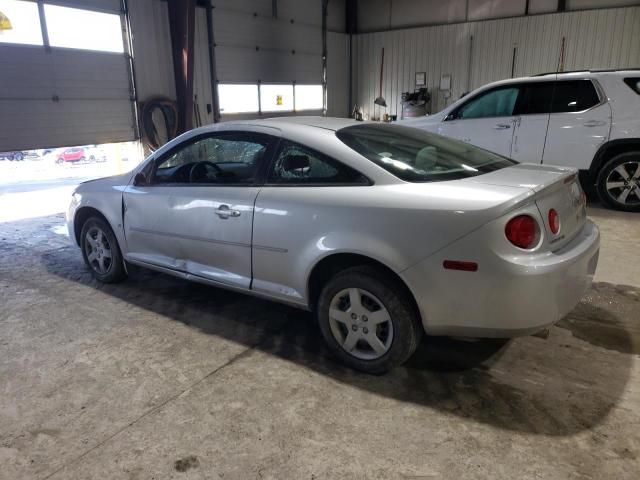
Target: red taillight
x: 522, y: 231
x: 554, y: 221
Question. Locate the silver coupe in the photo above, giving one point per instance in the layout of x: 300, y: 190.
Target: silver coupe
x: 384, y: 231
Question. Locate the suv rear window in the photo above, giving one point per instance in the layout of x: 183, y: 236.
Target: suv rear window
x: 574, y: 96
x: 417, y: 156
x: 634, y: 83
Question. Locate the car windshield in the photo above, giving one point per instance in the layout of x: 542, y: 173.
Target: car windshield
x: 417, y: 156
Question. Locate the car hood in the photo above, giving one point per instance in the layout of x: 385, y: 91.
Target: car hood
x: 115, y: 181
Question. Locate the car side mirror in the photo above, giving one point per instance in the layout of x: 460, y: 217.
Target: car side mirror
x: 139, y: 179
x: 451, y: 116
x: 295, y: 162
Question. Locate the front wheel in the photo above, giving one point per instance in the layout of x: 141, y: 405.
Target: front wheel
x: 619, y: 182
x: 368, y: 320
x: 101, y: 252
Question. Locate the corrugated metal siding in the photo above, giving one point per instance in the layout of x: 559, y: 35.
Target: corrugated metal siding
x: 153, y: 62
x: 593, y: 39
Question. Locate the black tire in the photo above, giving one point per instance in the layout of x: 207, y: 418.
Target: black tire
x: 18, y: 157
x: 406, y: 326
x: 113, y: 270
x: 609, y: 173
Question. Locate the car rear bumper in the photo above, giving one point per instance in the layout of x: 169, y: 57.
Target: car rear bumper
x: 505, y: 297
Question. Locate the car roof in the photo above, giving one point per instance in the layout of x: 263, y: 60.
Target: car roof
x: 561, y: 75
x: 326, y: 123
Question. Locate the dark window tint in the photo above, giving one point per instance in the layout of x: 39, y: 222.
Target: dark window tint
x: 296, y: 164
x: 634, y: 83
x: 499, y: 102
x: 417, y: 156
x: 534, y: 98
x: 224, y: 158
x: 574, y: 96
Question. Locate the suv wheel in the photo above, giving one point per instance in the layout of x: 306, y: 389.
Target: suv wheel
x: 619, y: 182
x: 367, y: 320
x: 101, y: 252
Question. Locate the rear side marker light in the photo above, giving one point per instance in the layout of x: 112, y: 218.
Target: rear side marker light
x: 458, y: 265
x: 523, y: 231
x: 554, y: 221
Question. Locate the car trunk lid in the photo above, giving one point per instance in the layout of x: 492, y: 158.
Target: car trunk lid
x: 555, y: 188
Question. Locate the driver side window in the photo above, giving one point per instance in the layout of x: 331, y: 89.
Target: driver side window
x: 499, y: 102
x: 226, y: 158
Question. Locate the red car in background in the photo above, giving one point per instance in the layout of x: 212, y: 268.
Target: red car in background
x: 73, y: 154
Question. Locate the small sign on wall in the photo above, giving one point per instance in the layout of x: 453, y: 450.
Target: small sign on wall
x: 445, y: 83
x: 421, y: 79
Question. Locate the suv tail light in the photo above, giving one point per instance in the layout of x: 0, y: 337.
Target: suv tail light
x: 554, y: 221
x: 523, y: 231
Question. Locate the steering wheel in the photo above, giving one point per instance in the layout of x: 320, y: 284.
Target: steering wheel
x: 199, y: 168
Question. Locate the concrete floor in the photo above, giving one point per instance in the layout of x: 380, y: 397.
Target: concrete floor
x: 157, y: 378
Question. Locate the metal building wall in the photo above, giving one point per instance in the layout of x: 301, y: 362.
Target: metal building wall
x: 254, y: 45
x: 605, y: 38
x: 151, y: 40
x: 289, y: 48
x: 201, y: 72
x: 381, y: 15
x: 337, y: 74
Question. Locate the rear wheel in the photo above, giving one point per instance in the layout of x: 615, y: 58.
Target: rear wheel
x: 618, y: 182
x: 101, y: 252
x: 368, y: 320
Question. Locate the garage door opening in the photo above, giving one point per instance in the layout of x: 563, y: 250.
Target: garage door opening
x: 35, y: 183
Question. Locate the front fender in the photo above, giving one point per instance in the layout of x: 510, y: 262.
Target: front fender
x: 103, y: 196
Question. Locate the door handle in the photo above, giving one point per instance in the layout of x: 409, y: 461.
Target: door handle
x: 594, y: 123
x: 501, y: 126
x: 223, y: 211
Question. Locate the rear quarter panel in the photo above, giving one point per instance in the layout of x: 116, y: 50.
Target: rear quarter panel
x: 397, y: 225
x: 625, y: 105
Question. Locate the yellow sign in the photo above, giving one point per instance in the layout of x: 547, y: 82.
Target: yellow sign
x: 5, y: 23
x: 278, y: 99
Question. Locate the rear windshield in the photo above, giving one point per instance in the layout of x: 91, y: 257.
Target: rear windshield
x: 417, y: 156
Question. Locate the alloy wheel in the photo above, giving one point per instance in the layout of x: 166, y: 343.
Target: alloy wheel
x: 623, y: 183
x: 98, y: 250
x: 360, y: 324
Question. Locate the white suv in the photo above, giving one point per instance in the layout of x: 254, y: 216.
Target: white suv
x: 589, y: 120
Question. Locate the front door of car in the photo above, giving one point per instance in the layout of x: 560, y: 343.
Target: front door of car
x: 195, y: 213
x: 486, y: 120
x: 579, y: 124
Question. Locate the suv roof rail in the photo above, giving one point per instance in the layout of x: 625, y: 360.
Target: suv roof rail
x: 603, y: 70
